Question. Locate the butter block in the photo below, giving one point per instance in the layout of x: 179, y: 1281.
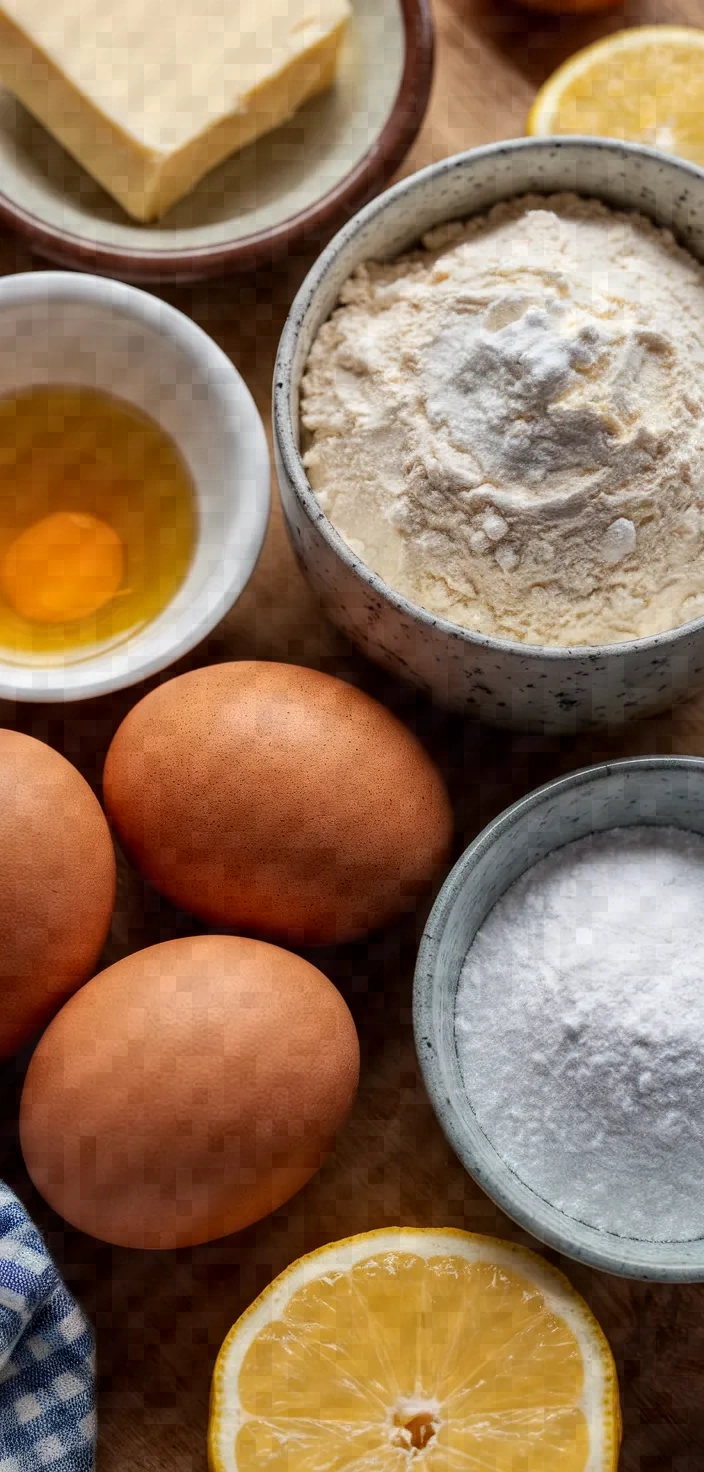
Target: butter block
x: 149, y: 96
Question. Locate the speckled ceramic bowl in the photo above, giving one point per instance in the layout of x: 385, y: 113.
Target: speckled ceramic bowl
x: 532, y: 687
x: 644, y: 790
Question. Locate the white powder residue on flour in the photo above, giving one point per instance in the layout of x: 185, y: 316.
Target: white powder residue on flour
x: 508, y: 425
x: 580, y: 1031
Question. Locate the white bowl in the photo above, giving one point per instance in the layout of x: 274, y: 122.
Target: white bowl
x: 61, y: 328
x: 528, y: 686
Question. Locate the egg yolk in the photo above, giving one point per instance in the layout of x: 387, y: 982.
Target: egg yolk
x: 64, y: 567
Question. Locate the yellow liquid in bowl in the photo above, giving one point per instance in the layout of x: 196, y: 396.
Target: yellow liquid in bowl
x: 98, y: 522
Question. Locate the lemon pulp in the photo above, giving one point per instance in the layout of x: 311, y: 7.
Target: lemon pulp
x: 644, y: 85
x: 416, y: 1361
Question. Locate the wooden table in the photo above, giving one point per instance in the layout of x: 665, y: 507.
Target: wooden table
x: 160, y: 1318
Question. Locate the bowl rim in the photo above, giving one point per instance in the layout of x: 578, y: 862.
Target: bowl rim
x: 621, y: 1258
x: 79, y: 681
x: 196, y: 263
x: 285, y: 439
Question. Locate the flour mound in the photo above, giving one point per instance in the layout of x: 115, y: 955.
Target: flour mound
x: 508, y: 424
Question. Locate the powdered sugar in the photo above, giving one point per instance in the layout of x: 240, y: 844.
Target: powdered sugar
x: 580, y: 1030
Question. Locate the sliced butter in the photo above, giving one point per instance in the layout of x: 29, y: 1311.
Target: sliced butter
x: 149, y: 96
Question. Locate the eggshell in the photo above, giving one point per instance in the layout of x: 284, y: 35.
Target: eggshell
x: 57, y: 884
x: 277, y: 800
x: 187, y: 1091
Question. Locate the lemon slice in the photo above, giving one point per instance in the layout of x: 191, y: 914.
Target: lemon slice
x: 412, y: 1350
x: 645, y: 85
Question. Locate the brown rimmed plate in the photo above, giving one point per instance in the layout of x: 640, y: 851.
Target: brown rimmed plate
x: 300, y: 182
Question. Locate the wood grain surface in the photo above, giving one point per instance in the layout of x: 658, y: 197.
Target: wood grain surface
x: 160, y: 1318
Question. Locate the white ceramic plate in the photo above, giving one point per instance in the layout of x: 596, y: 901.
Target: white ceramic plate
x: 301, y: 179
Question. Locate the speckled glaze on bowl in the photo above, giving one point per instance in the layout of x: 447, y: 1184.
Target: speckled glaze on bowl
x: 642, y: 790
x: 496, y: 680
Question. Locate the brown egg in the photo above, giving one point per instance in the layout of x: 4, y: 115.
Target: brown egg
x: 275, y: 799
x: 187, y: 1091
x: 57, y: 884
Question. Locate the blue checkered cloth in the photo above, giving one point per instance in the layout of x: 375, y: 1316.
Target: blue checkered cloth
x: 47, y: 1363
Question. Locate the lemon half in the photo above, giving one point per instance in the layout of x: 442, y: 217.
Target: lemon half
x: 416, y: 1350
x: 645, y: 85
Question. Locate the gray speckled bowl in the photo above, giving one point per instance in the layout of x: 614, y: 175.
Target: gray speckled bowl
x: 644, y: 790
x: 530, y: 687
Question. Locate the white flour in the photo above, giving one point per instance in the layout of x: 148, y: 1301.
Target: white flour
x: 580, y: 1030
x: 508, y: 426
